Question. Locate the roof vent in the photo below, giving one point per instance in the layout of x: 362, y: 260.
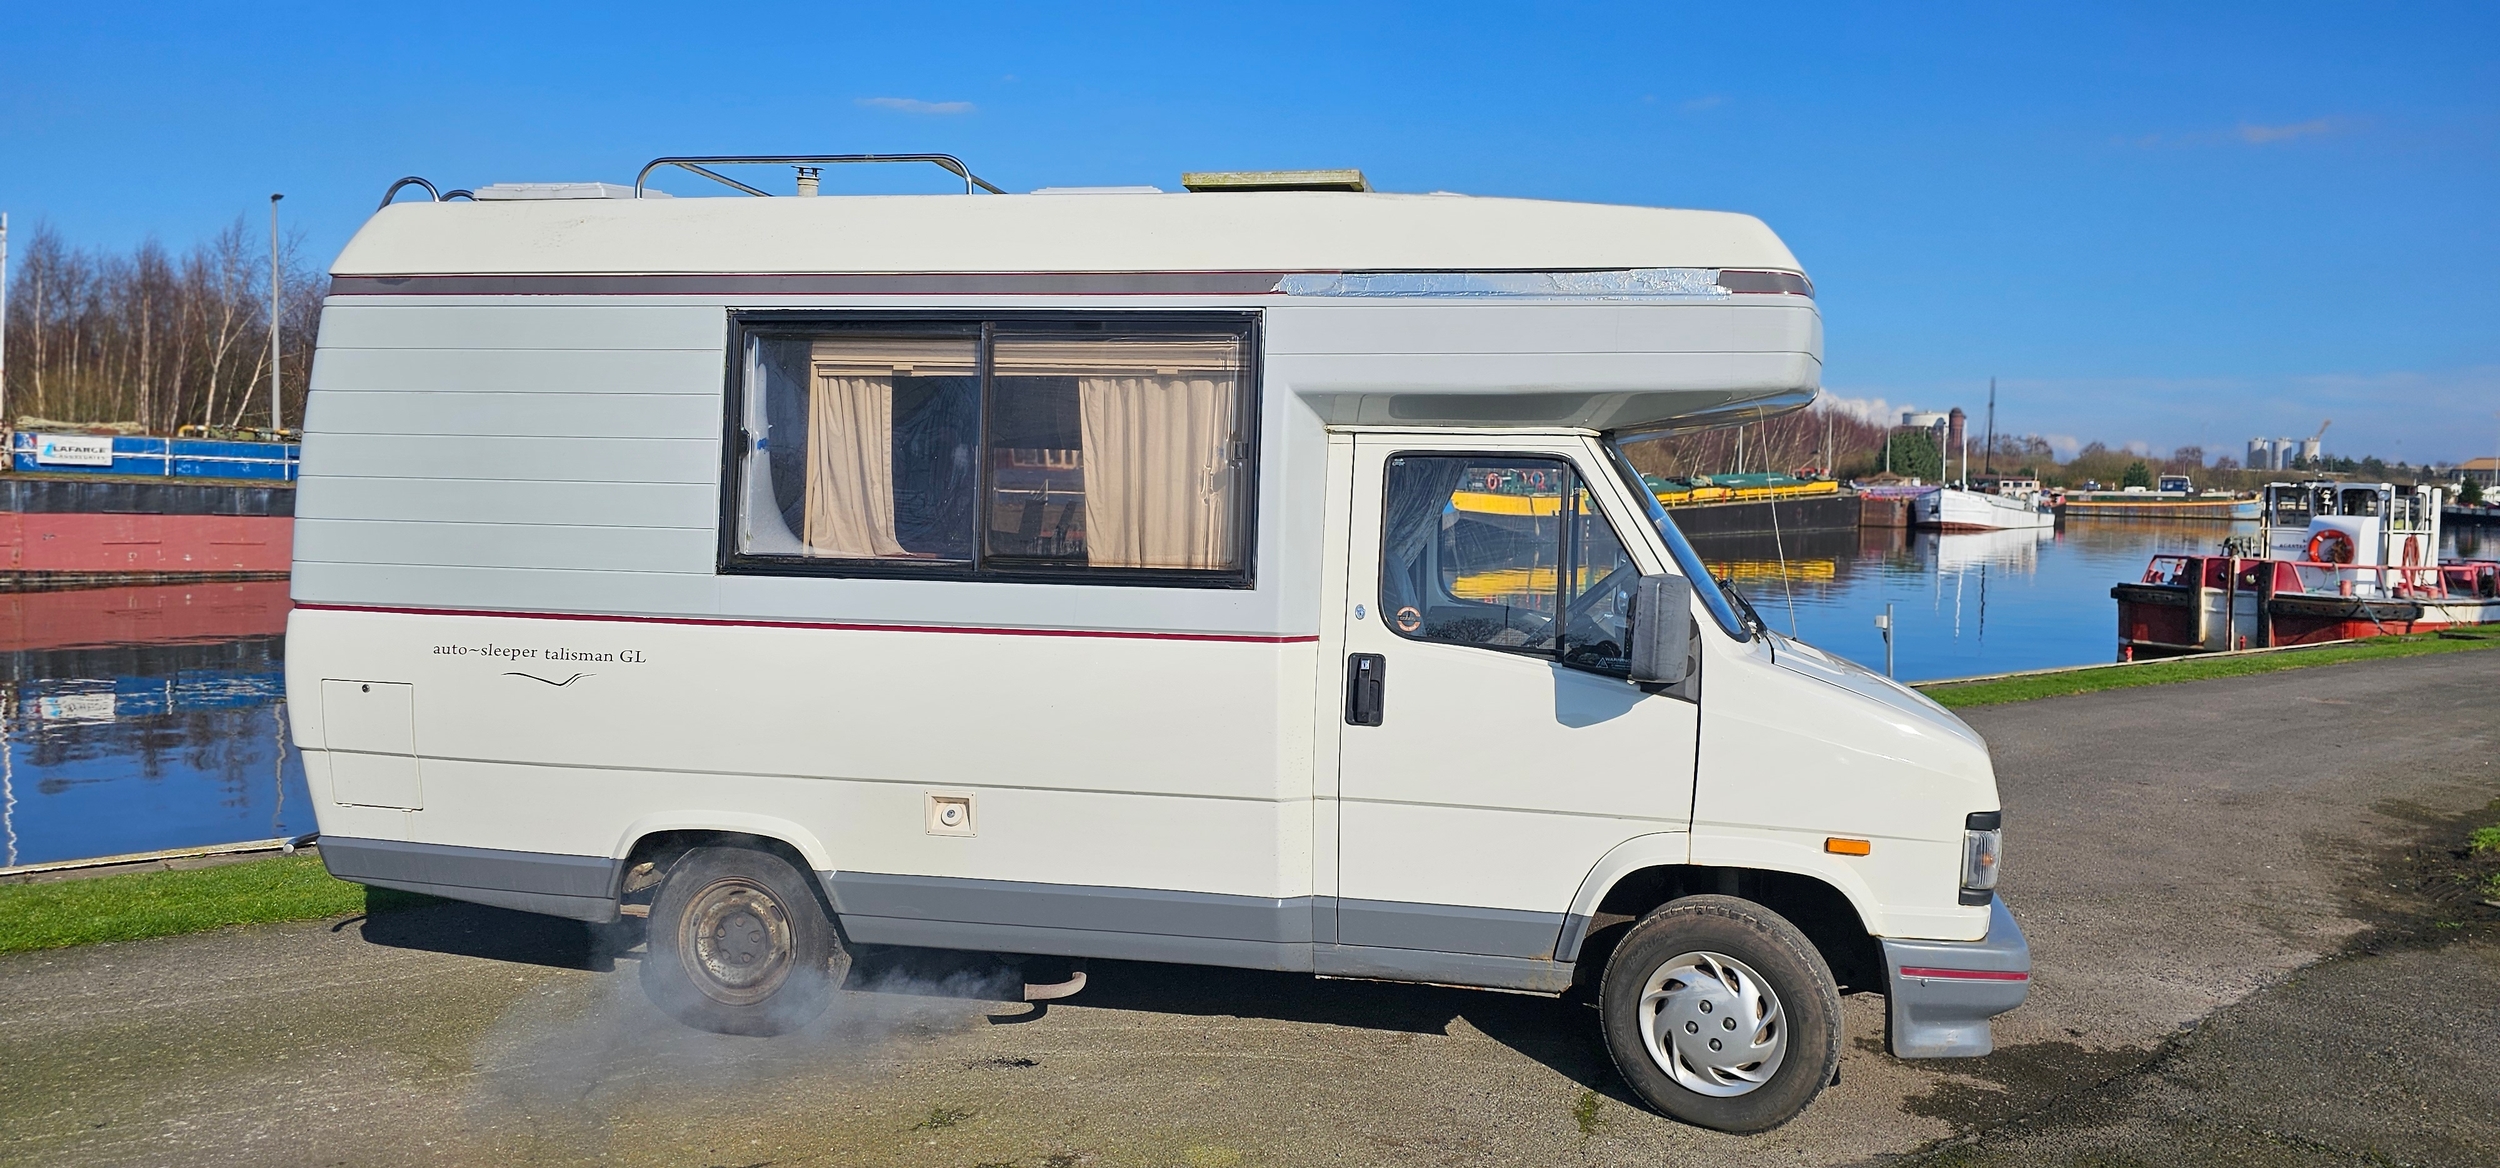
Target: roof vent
x: 494, y: 192
x: 1275, y: 180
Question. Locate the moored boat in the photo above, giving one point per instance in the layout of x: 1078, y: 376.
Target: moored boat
x: 85, y: 509
x: 2331, y: 561
x: 59, y: 532
x: 2014, y: 506
x: 2172, y: 497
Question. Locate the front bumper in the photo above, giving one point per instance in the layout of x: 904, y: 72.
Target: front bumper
x: 1944, y: 992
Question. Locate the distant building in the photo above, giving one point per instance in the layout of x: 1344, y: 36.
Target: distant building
x: 2485, y: 470
x: 1929, y: 421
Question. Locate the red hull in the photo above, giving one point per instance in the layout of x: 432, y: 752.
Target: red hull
x: 147, y: 615
x: 2167, y: 613
x: 77, y: 543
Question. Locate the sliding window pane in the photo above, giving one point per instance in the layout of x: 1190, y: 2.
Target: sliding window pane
x: 1118, y: 452
x: 862, y: 448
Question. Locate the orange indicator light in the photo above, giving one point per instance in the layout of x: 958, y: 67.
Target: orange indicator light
x: 1838, y: 846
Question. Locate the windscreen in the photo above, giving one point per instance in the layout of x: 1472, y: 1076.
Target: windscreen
x: 1713, y: 595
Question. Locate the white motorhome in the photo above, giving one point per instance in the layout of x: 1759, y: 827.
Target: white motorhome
x: 1249, y: 579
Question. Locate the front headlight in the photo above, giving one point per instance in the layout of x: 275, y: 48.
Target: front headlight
x: 1983, y: 853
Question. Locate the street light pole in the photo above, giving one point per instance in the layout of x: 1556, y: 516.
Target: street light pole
x: 5, y: 425
x: 275, y: 418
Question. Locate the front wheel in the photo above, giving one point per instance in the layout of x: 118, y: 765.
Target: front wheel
x: 1720, y: 1013
x: 739, y: 945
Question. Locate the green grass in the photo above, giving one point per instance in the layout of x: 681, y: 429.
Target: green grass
x: 163, y: 904
x: 2101, y: 677
x: 1587, y: 1111
x: 2484, y: 841
x: 942, y: 1117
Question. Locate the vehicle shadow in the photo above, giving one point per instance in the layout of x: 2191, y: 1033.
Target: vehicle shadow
x: 1560, y: 1034
x: 496, y: 934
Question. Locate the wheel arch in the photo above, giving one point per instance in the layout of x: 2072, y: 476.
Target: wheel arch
x: 1648, y: 871
x: 650, y: 845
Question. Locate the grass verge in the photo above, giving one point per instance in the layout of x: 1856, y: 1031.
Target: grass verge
x: 161, y: 904
x: 2101, y: 677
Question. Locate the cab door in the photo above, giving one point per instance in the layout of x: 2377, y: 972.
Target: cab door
x: 1491, y: 750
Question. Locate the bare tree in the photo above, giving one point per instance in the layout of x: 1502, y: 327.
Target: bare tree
x: 152, y: 340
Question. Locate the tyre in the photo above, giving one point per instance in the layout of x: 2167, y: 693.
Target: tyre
x: 1721, y: 1014
x: 738, y: 944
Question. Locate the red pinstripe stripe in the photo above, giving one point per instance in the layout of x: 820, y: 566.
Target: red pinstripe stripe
x: 1967, y: 974
x: 1116, y: 634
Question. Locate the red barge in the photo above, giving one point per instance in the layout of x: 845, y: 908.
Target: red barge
x: 2331, y: 561
x: 66, y: 532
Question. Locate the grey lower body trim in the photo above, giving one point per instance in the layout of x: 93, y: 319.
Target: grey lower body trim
x: 1449, y: 944
x: 1941, y: 996
x: 1540, y: 975
x: 1102, y: 908
x: 580, y: 887
x: 1074, y: 920
x: 1290, y: 957
x: 1575, y: 933
x: 1442, y: 928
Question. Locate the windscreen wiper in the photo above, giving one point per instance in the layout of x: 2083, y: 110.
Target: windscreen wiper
x: 1744, y: 608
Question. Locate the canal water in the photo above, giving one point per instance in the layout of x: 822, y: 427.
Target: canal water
x: 1965, y: 605
x: 145, y: 718
x: 155, y: 717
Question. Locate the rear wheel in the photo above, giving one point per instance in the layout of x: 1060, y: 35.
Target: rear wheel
x: 739, y: 945
x: 1720, y: 1013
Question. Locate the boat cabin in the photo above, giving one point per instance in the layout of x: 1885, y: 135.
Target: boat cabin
x: 2352, y: 526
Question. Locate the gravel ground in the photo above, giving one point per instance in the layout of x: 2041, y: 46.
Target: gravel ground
x: 2244, y: 954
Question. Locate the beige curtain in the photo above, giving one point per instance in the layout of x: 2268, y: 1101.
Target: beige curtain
x: 850, y: 467
x: 1159, y: 473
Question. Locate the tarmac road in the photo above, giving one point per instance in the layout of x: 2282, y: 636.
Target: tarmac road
x: 2183, y: 858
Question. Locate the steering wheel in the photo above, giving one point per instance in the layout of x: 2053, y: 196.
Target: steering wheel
x: 1576, y: 615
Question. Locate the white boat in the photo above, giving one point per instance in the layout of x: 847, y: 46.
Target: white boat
x: 1963, y: 509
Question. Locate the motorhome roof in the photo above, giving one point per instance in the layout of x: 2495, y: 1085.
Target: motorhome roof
x: 1296, y: 231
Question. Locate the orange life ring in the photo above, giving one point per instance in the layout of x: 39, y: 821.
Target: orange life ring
x: 2330, y: 546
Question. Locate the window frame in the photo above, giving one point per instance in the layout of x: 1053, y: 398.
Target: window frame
x: 981, y: 326
x: 1566, y: 551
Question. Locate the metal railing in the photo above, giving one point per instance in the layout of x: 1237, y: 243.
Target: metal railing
x: 430, y: 192
x: 702, y: 164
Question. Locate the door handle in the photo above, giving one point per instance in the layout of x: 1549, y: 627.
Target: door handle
x: 1365, y: 676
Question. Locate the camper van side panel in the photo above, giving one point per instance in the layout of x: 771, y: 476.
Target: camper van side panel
x: 511, y: 509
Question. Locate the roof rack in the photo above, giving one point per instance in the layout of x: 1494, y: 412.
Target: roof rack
x: 806, y: 163
x: 414, y: 181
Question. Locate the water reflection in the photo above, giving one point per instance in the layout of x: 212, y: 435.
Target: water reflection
x: 144, y: 718
x: 1963, y: 604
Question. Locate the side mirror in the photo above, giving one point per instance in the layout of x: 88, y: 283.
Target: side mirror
x: 1662, y: 629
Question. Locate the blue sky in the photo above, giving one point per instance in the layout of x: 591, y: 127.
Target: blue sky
x: 2152, y: 225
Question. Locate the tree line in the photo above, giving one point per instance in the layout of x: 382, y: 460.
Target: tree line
x: 1822, y: 439
x: 154, y: 341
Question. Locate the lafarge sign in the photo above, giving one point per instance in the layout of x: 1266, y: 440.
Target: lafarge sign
x: 73, y: 450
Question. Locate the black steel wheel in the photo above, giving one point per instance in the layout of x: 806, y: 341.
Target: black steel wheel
x: 1721, y: 1014
x: 738, y: 944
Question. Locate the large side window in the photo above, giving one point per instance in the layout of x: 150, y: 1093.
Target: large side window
x: 1008, y: 448
x: 1504, y: 553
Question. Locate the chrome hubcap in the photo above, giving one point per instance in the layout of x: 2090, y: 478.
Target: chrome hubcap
x: 736, y: 942
x: 1712, y: 1024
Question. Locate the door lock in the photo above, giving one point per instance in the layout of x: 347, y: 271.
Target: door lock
x: 1365, y: 678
